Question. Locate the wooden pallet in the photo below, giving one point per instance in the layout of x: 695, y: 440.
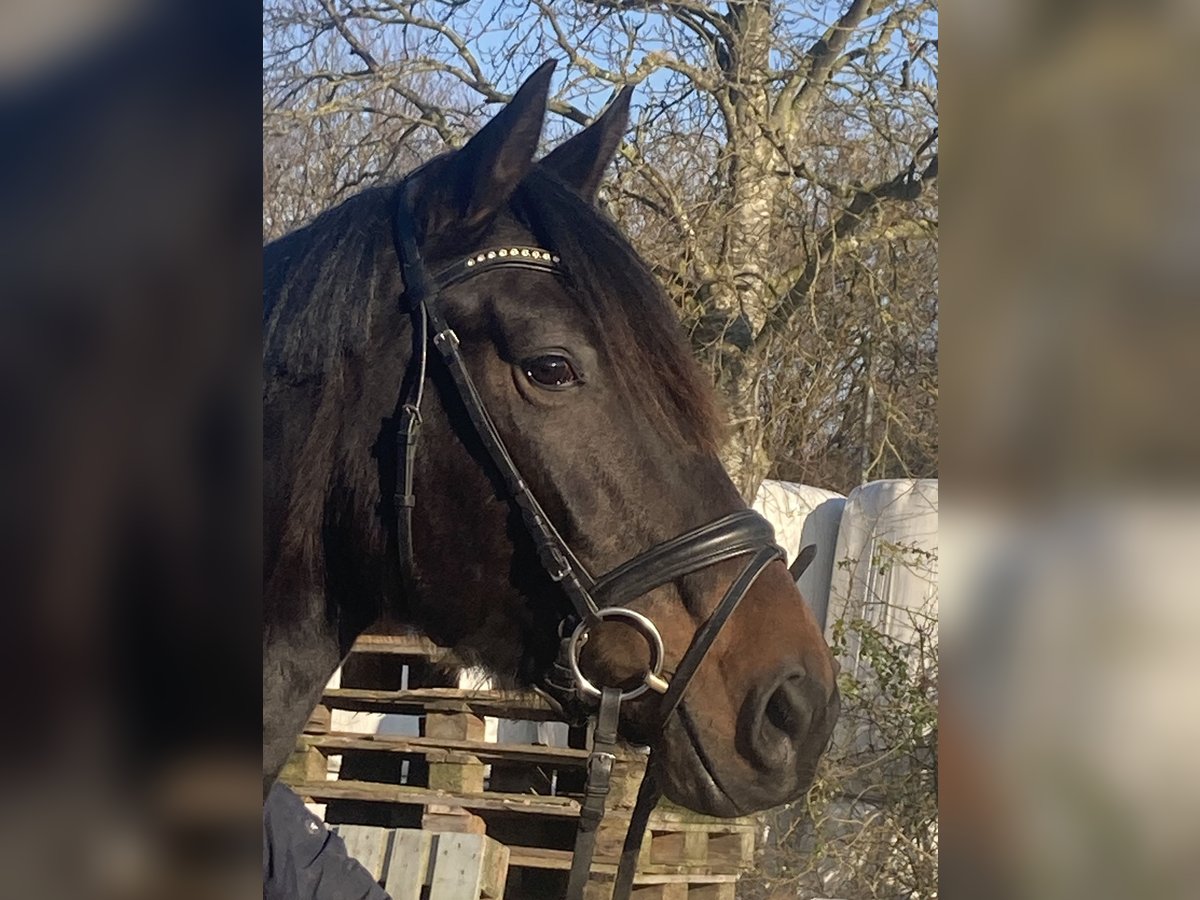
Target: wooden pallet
x: 452, y: 752
x: 422, y: 865
x: 676, y: 837
x: 701, y: 847
x: 672, y: 845
x: 684, y: 856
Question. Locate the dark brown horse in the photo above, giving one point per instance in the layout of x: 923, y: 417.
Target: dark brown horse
x: 590, y: 384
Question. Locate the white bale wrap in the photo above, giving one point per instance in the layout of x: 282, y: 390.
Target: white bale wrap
x: 804, y: 515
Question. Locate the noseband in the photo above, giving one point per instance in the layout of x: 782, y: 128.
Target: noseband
x: 592, y: 599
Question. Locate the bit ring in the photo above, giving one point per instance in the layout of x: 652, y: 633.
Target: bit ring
x: 652, y: 680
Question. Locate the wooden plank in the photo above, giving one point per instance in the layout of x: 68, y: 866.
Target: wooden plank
x: 628, y: 772
x: 686, y: 848
x: 466, y: 775
x: 495, y: 870
x: 674, y: 891
x: 367, y: 844
x: 439, y: 817
x: 695, y: 847
x: 401, y: 644
x: 667, y: 848
x: 565, y: 807
x: 304, y: 765
x: 610, y: 839
x: 712, y: 892
x: 676, y: 853
x: 338, y: 741
x: 666, y: 823
x: 735, y: 849
x: 541, y: 858
x: 456, y: 776
x: 408, y: 865
x: 457, y: 867
x: 319, y: 720
x: 502, y: 704
x: 672, y: 812
x: 677, y: 816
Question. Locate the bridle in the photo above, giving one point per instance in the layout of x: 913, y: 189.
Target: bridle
x: 592, y: 599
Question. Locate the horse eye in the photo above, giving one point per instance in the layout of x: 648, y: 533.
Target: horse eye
x: 551, y: 371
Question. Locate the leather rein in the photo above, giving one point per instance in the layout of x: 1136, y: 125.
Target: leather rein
x: 592, y: 599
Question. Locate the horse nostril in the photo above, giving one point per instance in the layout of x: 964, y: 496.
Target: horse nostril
x: 783, y: 709
x: 782, y: 722
x: 787, y: 709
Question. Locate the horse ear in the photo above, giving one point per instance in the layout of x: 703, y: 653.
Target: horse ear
x: 488, y: 169
x: 581, y: 161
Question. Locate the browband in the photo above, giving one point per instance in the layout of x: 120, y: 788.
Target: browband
x: 530, y: 258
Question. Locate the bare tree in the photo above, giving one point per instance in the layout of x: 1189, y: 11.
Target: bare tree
x: 780, y: 177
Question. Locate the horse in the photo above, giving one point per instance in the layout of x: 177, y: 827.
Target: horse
x: 565, y: 428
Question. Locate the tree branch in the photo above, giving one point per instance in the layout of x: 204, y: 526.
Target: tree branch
x: 801, y: 88
x: 356, y: 46
x: 906, y: 186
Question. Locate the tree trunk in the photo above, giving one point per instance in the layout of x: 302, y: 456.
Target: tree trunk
x: 755, y: 189
x: 746, y: 455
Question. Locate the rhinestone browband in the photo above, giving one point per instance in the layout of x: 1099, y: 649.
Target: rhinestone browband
x: 506, y: 252
x: 533, y: 258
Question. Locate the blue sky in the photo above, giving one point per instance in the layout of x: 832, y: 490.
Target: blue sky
x: 827, y: 12
x: 586, y: 93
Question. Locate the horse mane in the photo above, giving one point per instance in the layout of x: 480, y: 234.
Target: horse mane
x: 324, y: 283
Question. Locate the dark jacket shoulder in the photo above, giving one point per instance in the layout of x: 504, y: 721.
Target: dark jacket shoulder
x: 304, y: 860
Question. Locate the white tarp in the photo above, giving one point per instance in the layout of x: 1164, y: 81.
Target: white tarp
x: 886, y: 565
x: 804, y: 515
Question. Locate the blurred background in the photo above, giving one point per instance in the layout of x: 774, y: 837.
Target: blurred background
x: 132, y: 211
x: 1070, y: 443
x: 129, y: 439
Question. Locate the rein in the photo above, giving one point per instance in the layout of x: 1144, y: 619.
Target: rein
x: 592, y: 599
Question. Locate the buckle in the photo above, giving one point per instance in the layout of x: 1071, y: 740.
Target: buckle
x: 562, y: 566
x: 410, y: 423
x: 602, y: 760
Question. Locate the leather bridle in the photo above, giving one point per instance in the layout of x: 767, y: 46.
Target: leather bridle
x: 592, y: 599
